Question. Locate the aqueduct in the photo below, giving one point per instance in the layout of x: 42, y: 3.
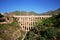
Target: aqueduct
x: 27, y: 22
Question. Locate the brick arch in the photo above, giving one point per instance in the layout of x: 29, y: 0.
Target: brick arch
x: 29, y: 21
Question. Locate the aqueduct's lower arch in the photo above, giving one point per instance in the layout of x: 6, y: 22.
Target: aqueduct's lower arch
x: 27, y: 22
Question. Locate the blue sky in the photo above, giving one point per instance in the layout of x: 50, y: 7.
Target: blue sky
x: 38, y: 6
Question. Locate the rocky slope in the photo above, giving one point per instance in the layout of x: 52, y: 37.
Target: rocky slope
x: 10, y: 31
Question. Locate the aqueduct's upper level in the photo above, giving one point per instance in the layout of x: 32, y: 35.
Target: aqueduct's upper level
x: 27, y: 22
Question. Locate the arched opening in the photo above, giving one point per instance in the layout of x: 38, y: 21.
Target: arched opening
x: 25, y: 28
x: 29, y: 28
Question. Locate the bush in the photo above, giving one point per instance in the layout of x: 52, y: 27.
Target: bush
x: 51, y: 32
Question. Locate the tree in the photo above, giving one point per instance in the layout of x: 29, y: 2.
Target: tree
x: 42, y: 38
x: 51, y: 32
x: 1, y: 15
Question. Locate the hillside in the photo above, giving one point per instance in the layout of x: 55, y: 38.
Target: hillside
x: 53, y: 12
x: 23, y: 13
x: 10, y: 31
x: 57, y: 11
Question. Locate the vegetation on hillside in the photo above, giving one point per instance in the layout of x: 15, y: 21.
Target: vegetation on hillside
x: 6, y: 30
x: 46, y: 29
